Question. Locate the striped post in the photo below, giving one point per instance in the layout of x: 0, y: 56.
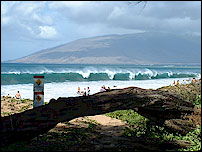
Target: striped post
x: 38, y: 89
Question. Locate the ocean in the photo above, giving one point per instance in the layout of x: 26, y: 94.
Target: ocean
x: 63, y: 80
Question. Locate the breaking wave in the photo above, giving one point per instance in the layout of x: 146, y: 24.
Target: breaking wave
x: 25, y: 78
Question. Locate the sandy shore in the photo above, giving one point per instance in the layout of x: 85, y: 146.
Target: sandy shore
x: 12, y: 105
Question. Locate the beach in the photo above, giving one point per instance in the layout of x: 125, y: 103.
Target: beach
x: 11, y: 105
x: 69, y: 89
x: 90, y: 132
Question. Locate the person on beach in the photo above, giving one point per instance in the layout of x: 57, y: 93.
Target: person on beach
x: 84, y: 93
x: 18, y: 96
x: 174, y: 83
x: 8, y: 96
x: 88, y: 91
x: 78, y: 92
x: 178, y: 82
x: 194, y: 80
x: 107, y: 89
x: 102, y: 89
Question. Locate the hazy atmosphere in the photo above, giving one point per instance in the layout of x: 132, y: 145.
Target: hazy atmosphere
x: 28, y: 27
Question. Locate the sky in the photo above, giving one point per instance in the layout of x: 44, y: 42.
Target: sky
x: 31, y: 26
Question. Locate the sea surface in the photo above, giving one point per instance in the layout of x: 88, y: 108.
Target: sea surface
x: 63, y: 80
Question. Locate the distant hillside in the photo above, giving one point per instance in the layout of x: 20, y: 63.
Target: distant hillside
x: 139, y: 48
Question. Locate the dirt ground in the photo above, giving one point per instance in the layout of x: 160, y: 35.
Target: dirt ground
x: 100, y: 131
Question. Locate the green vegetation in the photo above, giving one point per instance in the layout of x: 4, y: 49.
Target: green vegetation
x: 26, y: 107
x: 197, y: 102
x: 136, y: 122
x: 12, y: 100
x: 23, y: 100
x: 189, y: 92
x: 194, y: 137
x: 141, y: 127
x: 91, y: 124
x: 6, y: 113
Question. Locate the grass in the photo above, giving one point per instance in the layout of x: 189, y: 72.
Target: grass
x: 189, y: 92
x: 138, y: 127
x: 91, y: 124
x: 6, y: 113
x: 197, y: 101
x: 136, y: 122
x: 141, y: 127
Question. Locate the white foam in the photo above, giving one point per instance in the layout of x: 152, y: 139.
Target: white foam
x: 69, y: 89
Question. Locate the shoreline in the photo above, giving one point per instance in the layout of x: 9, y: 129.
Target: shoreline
x: 12, y: 105
x: 69, y: 89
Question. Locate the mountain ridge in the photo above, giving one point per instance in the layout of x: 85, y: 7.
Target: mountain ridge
x: 135, y: 48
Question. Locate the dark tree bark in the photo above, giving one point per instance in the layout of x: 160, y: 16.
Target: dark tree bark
x: 159, y: 106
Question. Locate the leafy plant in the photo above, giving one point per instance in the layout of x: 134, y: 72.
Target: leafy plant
x: 195, y: 138
x: 23, y: 101
x: 137, y: 123
x: 140, y: 126
x: 197, y: 101
x: 6, y: 113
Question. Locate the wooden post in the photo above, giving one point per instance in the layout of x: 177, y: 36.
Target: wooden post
x: 38, y: 91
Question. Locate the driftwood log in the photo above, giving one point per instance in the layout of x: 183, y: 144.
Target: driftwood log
x: 161, y: 107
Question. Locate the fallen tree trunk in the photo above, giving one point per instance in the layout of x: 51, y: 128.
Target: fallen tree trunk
x: 159, y: 106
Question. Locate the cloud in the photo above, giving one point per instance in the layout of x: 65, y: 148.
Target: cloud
x: 176, y: 9
x: 27, y: 20
x: 47, y: 32
x: 69, y: 4
x: 116, y: 13
x: 27, y: 8
x: 5, y: 21
x: 54, y: 19
x: 85, y: 12
x: 161, y: 15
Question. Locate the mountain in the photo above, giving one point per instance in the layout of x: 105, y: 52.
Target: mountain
x: 138, y: 48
